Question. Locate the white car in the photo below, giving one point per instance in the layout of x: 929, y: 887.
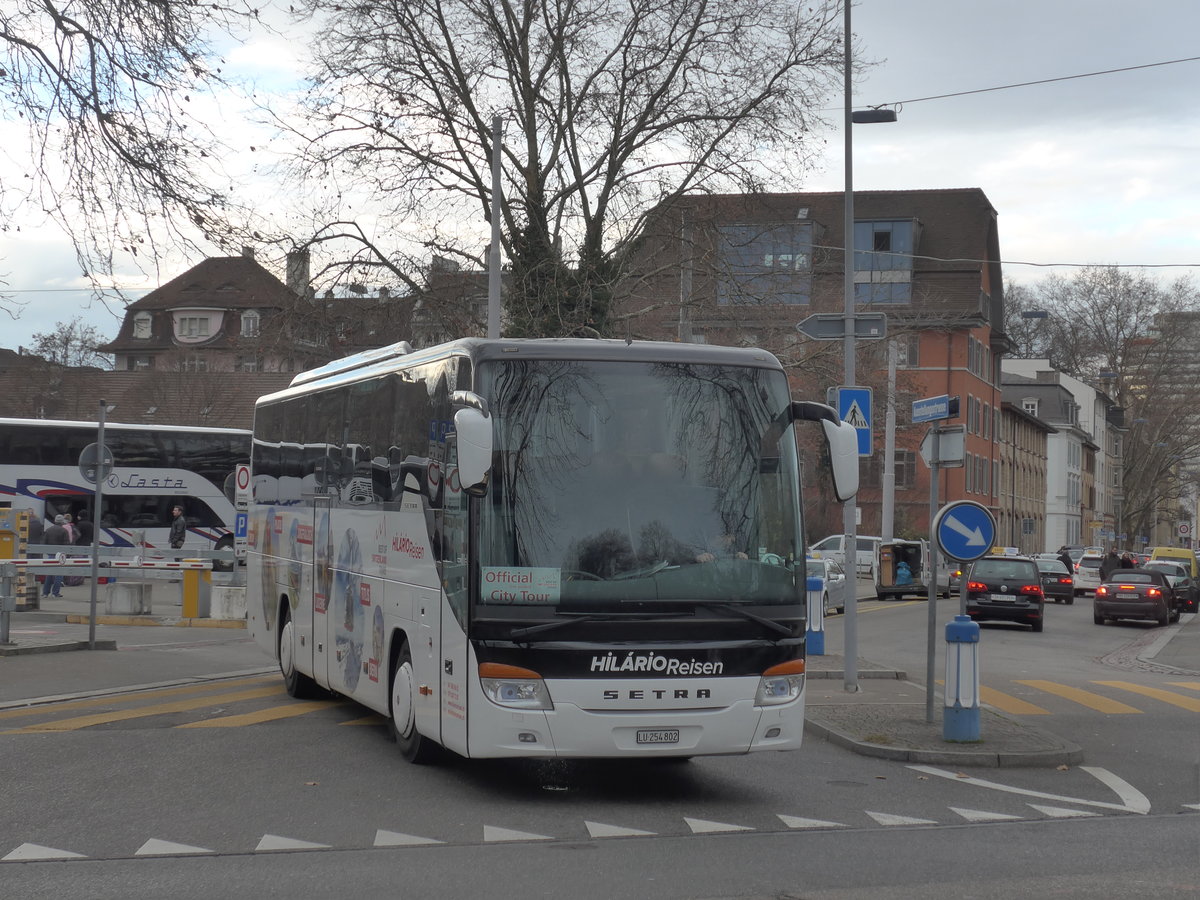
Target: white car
x: 833, y: 583
x: 831, y: 548
x: 1087, y: 573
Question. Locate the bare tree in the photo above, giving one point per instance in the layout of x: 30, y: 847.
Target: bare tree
x: 103, y: 89
x: 72, y: 344
x: 609, y: 109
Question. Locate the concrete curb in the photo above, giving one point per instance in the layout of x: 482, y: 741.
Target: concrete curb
x: 175, y: 621
x: 122, y: 689
x: 56, y: 647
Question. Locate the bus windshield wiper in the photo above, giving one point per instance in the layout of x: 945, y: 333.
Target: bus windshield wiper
x: 770, y: 624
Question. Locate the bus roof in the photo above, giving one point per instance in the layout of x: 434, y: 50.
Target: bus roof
x: 401, y: 355
x: 130, y: 426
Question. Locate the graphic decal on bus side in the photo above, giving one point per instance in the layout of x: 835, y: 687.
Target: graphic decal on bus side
x: 376, y: 644
x: 348, y: 610
x: 321, y: 555
x: 269, y: 596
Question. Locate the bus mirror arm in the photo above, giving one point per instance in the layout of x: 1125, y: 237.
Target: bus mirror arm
x: 428, y: 475
x: 842, y: 440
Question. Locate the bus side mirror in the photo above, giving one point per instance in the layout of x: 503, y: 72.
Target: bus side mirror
x: 473, y: 430
x: 842, y: 438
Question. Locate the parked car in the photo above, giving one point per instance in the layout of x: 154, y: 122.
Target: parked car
x: 1135, y: 594
x: 1185, y: 556
x: 1087, y: 573
x: 1006, y: 588
x: 1186, y: 588
x: 831, y: 548
x: 833, y: 583
x: 1058, y: 584
x: 902, y: 569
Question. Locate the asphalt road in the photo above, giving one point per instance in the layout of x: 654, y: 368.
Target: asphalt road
x: 232, y: 789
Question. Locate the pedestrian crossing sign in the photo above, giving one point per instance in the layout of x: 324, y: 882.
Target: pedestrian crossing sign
x: 854, y: 407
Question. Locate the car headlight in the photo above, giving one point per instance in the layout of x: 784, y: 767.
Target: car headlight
x: 780, y: 684
x: 514, y: 687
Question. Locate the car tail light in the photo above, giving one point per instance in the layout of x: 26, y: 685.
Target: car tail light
x: 1101, y: 590
x: 1065, y: 581
x: 1032, y: 589
x: 1153, y: 592
x: 976, y: 586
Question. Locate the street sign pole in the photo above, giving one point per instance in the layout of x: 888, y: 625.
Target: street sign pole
x: 931, y: 611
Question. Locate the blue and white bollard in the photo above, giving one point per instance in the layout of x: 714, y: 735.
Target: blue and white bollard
x: 815, y: 638
x: 961, y: 722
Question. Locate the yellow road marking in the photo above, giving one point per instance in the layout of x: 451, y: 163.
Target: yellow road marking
x: 888, y: 604
x: 373, y: 719
x: 1010, y: 704
x: 1190, y: 685
x: 1084, y: 698
x: 263, y: 715
x: 1157, y: 693
x: 142, y: 712
x: 139, y: 695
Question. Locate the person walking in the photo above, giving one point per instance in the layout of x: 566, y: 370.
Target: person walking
x: 56, y: 534
x: 85, y: 530
x: 178, y: 528
x: 1065, y: 558
x: 1127, y: 561
x: 1108, y: 565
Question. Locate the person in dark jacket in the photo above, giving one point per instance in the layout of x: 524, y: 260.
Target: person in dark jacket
x: 178, y: 528
x: 84, y: 530
x: 1065, y: 558
x: 55, y: 534
x: 1108, y: 565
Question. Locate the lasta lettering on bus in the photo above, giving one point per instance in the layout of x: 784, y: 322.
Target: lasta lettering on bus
x: 521, y: 584
x: 134, y: 480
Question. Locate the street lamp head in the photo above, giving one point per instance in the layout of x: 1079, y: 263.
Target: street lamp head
x: 872, y: 116
x: 1035, y: 314
x: 1108, y: 375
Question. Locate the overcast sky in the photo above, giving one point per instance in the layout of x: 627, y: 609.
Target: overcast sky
x: 1094, y: 170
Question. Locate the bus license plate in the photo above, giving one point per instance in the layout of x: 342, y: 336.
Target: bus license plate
x: 658, y: 736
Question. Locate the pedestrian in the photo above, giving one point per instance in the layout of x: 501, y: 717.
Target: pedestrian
x: 69, y: 524
x: 1108, y: 565
x: 178, y: 528
x: 56, y: 534
x: 37, y: 534
x: 85, y: 530
x: 1127, y: 561
x: 1065, y: 558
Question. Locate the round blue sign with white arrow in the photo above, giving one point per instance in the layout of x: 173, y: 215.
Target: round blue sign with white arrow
x: 964, y: 530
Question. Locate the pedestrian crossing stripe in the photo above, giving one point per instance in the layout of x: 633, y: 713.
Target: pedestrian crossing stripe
x: 1188, y: 703
x: 1097, y: 702
x: 271, y: 714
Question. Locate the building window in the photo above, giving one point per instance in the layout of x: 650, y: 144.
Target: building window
x: 765, y: 263
x: 908, y: 354
x: 195, y: 364
x: 906, y: 469
x: 1030, y: 406
x: 250, y: 323
x: 249, y: 364
x: 141, y: 325
x: 137, y: 363
x: 883, y: 274
x: 193, y: 326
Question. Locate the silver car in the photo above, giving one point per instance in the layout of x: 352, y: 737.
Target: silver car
x: 833, y: 584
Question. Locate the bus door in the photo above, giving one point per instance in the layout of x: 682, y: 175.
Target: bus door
x: 450, y: 549
x: 312, y: 618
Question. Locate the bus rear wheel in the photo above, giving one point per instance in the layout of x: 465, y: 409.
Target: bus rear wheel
x: 413, y: 746
x: 297, y: 684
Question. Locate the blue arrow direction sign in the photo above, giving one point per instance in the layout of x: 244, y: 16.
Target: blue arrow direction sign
x: 964, y: 530
x: 854, y: 407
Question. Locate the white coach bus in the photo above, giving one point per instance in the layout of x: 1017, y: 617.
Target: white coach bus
x: 155, y: 467
x: 542, y: 548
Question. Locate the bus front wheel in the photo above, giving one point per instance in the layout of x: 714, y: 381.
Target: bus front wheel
x: 297, y: 684
x: 413, y: 746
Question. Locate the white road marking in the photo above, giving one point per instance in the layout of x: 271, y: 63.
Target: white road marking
x: 1191, y: 806
x: 889, y: 819
x: 275, y: 842
x: 493, y: 834
x: 1141, y: 803
x: 600, y: 830
x: 703, y: 826
x: 1059, y: 813
x: 396, y: 839
x: 37, y: 851
x: 155, y: 847
x: 979, y: 815
x: 795, y: 822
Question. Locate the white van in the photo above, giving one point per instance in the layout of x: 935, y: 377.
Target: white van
x: 832, y: 547
x: 902, y: 570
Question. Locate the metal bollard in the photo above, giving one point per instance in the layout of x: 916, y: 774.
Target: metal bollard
x: 961, y: 721
x: 815, y: 638
x: 8, y: 598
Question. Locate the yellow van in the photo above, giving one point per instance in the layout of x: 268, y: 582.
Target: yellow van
x: 1181, y: 555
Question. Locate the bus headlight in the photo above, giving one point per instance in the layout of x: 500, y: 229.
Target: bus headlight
x: 514, y: 687
x: 781, y: 684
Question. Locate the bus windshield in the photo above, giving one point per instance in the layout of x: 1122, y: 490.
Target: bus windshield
x: 633, y: 485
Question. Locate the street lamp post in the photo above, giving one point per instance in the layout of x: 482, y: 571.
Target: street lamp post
x: 850, y: 509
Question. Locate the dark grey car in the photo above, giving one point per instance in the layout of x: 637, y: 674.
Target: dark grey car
x: 1057, y: 583
x: 1006, y: 588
